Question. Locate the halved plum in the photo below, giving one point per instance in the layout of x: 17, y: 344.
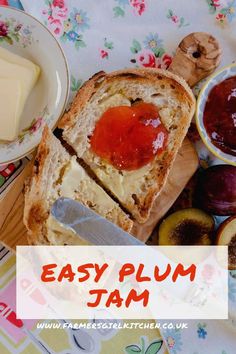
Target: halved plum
x: 187, y: 227
x: 226, y: 236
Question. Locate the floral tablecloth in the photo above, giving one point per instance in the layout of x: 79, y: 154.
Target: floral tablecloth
x: 113, y: 34
x: 26, y: 337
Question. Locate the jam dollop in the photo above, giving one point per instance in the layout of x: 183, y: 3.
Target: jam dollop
x: 129, y: 137
x: 220, y: 116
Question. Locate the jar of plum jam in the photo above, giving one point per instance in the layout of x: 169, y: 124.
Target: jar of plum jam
x: 219, y: 116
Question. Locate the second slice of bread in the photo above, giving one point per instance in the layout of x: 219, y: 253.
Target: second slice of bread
x: 135, y: 190
x: 57, y: 174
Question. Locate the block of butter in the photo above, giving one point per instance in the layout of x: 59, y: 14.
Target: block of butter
x: 17, y: 79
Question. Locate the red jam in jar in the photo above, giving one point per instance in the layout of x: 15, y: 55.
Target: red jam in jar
x: 129, y: 137
x: 220, y: 116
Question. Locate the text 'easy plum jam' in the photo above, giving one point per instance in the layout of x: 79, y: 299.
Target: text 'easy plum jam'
x: 129, y: 137
x: 220, y: 116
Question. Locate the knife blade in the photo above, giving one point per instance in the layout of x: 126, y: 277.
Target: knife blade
x: 88, y: 225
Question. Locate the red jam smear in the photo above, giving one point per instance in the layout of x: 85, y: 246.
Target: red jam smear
x: 129, y: 137
x: 220, y: 116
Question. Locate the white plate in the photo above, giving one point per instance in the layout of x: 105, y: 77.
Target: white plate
x: 24, y: 35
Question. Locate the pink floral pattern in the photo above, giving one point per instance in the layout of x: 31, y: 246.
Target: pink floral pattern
x: 224, y: 13
x: 11, y: 31
x: 152, y: 54
x: 65, y: 24
x: 221, y: 18
x: 34, y: 127
x: 138, y: 7
x: 179, y: 21
x: 148, y: 60
x: 56, y: 15
x: 108, y: 46
x: 103, y: 54
x: 36, y: 124
x: 3, y: 29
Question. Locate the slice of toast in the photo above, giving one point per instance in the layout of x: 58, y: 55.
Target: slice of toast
x: 57, y: 174
x: 135, y: 190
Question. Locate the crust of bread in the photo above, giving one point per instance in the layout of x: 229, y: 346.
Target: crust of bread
x: 43, y: 187
x: 40, y: 185
x: 88, y: 89
x: 82, y: 97
x: 140, y: 204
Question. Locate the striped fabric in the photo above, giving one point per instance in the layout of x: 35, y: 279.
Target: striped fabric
x: 3, y: 252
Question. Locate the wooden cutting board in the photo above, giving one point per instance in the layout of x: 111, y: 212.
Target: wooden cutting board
x: 196, y: 57
x: 185, y: 165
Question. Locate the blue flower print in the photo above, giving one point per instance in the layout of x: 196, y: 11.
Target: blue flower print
x: 79, y: 19
x: 153, y: 41
x: 72, y: 36
x: 231, y: 10
x: 202, y: 333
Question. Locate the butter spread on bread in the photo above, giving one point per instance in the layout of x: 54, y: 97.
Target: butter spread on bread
x: 57, y: 174
x: 136, y: 190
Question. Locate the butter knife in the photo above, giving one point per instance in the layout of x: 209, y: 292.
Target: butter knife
x: 90, y: 226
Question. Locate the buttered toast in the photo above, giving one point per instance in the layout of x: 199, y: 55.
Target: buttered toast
x: 57, y: 174
x: 134, y: 188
